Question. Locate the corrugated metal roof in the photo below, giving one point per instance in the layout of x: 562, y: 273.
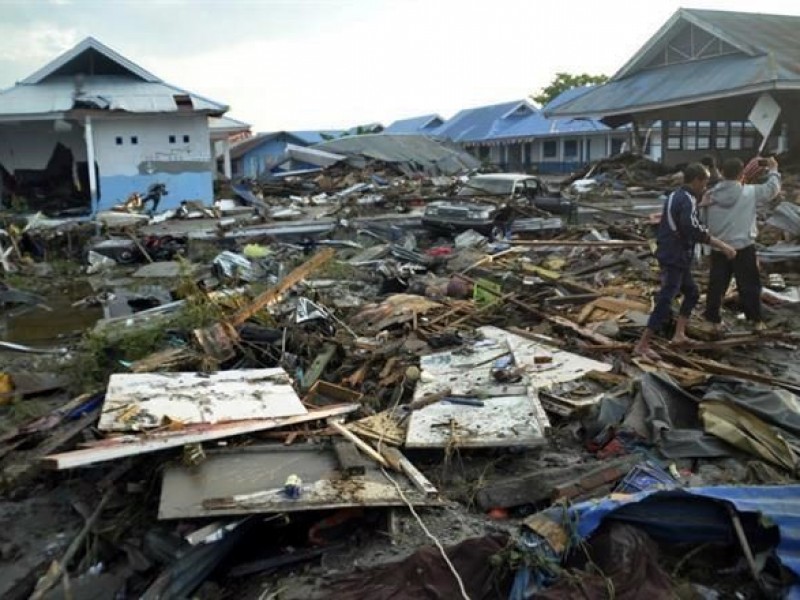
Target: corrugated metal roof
x: 767, y: 54
x: 301, y: 138
x: 433, y: 156
x: 125, y: 87
x: 227, y: 124
x: 482, y: 122
x: 57, y: 95
x: 672, y: 85
x: 316, y: 136
x: 421, y: 124
x: 567, y: 96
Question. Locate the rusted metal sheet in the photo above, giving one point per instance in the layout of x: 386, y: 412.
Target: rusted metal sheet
x: 136, y: 401
x: 251, y: 480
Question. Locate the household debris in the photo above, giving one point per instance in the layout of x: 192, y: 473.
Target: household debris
x: 323, y: 372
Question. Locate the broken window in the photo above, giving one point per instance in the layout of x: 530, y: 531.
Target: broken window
x: 172, y: 139
x: 134, y: 140
x: 118, y: 140
x: 549, y: 149
x: 185, y: 139
x: 183, y: 102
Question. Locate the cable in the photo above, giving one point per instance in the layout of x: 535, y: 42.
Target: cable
x: 438, y: 544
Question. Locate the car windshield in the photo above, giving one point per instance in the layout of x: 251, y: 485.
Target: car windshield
x: 492, y: 187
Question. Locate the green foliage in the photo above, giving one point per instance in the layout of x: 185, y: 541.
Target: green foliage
x: 566, y: 81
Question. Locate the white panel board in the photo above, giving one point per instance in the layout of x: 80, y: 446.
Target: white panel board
x: 136, y: 401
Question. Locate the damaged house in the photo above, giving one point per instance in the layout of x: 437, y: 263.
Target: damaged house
x: 90, y: 128
x: 701, y: 75
x: 262, y: 153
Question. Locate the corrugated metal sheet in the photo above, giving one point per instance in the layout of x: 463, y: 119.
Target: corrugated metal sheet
x: 431, y: 155
x: 672, y: 85
x: 476, y: 124
x: 769, y: 59
x: 120, y: 93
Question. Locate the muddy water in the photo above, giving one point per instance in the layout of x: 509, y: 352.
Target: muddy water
x: 37, y: 326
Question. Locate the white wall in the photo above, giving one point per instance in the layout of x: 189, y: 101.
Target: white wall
x: 153, y: 145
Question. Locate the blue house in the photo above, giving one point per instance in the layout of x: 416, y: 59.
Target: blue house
x: 425, y: 124
x: 516, y: 136
x: 262, y: 153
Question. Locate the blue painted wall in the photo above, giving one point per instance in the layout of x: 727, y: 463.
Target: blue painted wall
x: 261, y: 159
x: 115, y: 189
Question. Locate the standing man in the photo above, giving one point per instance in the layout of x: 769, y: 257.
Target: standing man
x: 678, y: 232
x: 732, y: 218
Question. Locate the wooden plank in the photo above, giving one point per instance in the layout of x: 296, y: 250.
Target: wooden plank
x: 136, y: 401
x: 359, y: 443
x: 401, y: 464
x: 134, y: 445
x: 314, y: 372
x: 273, y: 295
x: 350, y: 461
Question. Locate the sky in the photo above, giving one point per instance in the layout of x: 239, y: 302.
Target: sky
x: 333, y: 64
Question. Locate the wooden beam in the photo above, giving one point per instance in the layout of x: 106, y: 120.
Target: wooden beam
x: 350, y: 461
x: 133, y: 445
x: 274, y: 294
x: 360, y: 444
x: 401, y: 464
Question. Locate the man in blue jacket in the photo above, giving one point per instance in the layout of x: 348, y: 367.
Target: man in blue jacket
x: 678, y: 232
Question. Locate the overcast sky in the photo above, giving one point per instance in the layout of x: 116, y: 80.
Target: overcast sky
x: 315, y: 64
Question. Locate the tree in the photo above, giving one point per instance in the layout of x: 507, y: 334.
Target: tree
x: 566, y: 81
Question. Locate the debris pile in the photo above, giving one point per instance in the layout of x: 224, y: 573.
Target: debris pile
x: 262, y: 406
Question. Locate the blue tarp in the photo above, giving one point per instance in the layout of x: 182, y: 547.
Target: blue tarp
x: 779, y: 503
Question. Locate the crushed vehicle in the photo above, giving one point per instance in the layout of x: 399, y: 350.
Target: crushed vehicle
x: 487, y: 202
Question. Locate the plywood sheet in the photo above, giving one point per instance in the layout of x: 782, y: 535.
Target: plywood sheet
x: 136, y: 401
x: 250, y: 480
x: 505, y: 421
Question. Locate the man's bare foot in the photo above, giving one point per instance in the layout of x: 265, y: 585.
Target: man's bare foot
x: 682, y: 340
x: 646, y: 352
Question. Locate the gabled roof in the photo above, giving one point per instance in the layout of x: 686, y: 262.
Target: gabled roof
x: 90, y: 57
x: 421, y: 124
x: 92, y: 76
x: 299, y: 138
x: 751, y: 53
x: 475, y: 124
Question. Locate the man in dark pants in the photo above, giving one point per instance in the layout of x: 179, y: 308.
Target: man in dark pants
x: 678, y: 232
x: 732, y: 218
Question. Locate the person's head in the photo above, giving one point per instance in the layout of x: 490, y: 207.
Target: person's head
x: 732, y: 169
x: 695, y: 177
x: 708, y: 162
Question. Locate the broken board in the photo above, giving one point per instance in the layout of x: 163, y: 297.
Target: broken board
x: 136, y: 401
x: 510, y: 415
x: 248, y: 480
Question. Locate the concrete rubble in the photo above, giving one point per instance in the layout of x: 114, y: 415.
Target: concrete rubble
x: 253, y: 398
